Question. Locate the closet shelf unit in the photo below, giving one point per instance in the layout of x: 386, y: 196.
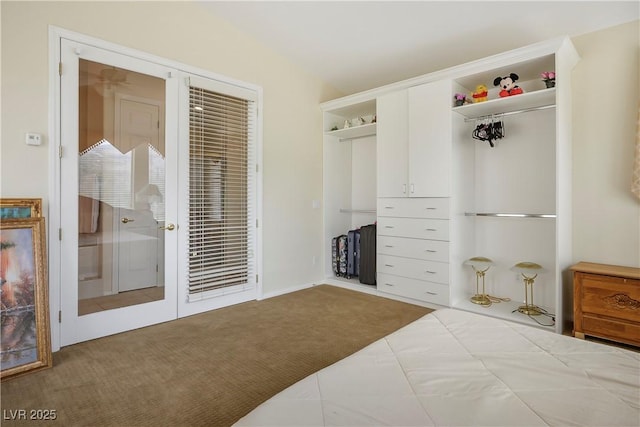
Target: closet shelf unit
x: 351, y: 133
x: 545, y: 98
x: 349, y: 175
x: 511, y: 202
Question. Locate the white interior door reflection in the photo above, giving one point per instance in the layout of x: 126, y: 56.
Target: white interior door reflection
x: 121, y: 176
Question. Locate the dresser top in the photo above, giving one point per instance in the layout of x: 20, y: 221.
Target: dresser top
x: 607, y: 270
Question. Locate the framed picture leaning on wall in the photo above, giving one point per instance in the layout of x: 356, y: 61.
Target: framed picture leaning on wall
x: 20, y: 208
x: 25, y: 343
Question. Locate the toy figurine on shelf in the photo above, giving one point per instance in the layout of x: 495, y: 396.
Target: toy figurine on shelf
x: 480, y: 94
x: 460, y: 99
x: 508, y: 86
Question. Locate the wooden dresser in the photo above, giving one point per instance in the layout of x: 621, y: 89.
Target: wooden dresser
x: 606, y: 302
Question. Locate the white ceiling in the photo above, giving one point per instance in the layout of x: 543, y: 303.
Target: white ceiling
x: 360, y: 45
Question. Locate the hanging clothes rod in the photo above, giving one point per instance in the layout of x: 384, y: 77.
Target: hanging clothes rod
x: 510, y: 215
x: 355, y: 137
x: 509, y: 113
x: 363, y: 211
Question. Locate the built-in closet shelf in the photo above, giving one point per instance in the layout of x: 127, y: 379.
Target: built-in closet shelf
x: 359, y: 211
x: 509, y: 104
x: 354, y: 132
x: 510, y: 215
x: 508, y: 310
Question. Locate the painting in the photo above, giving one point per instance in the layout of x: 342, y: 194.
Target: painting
x: 24, y: 306
x: 20, y: 208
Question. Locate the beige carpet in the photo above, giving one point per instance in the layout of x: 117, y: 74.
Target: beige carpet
x: 205, y: 370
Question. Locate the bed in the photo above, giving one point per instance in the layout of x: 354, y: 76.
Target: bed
x: 457, y: 368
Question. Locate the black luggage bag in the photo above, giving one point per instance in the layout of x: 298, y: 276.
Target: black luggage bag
x: 353, y: 253
x: 367, y: 273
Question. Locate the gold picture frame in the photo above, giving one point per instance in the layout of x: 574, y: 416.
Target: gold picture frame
x: 25, y: 341
x: 20, y: 208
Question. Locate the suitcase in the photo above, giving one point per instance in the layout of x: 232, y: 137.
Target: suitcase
x: 368, y: 254
x: 353, y: 253
x: 339, y: 255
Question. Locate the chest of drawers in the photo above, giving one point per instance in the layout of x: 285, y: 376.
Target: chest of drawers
x: 606, y: 302
x: 413, y: 248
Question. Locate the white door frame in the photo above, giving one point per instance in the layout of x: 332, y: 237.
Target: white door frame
x: 56, y: 34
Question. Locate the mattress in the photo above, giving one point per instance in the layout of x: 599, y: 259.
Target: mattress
x: 456, y: 368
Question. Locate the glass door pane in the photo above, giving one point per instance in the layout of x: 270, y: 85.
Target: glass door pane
x: 121, y: 187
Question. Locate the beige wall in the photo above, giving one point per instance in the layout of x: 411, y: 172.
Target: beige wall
x: 184, y: 32
x: 606, y: 215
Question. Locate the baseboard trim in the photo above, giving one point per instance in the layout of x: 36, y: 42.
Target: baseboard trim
x: 352, y: 285
x: 284, y: 291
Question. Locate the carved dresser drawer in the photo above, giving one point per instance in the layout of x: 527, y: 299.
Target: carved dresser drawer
x: 606, y: 302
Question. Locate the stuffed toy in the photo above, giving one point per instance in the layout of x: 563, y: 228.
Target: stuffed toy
x: 480, y: 94
x: 508, y: 86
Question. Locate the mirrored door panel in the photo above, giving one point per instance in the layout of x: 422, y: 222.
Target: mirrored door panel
x: 121, y: 187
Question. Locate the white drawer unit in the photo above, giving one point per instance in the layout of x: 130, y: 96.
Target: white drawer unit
x: 431, y: 250
x: 428, y: 207
x: 413, y: 248
x: 417, y: 228
x: 416, y: 289
x: 414, y: 268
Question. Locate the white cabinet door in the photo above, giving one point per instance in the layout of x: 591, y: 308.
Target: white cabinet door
x: 392, y: 144
x: 430, y: 139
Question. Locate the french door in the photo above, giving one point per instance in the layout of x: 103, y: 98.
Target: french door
x: 118, y: 204
x: 158, y: 191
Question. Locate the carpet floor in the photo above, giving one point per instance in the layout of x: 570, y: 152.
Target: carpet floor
x: 205, y: 370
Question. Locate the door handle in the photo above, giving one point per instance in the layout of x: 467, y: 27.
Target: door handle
x: 169, y: 227
x: 125, y: 220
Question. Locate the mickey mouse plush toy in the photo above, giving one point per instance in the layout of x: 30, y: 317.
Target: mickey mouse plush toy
x: 508, y: 85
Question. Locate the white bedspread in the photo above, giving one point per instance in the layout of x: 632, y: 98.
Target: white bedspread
x: 455, y: 368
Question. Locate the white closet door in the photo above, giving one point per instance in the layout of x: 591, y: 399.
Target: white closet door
x: 392, y: 144
x: 430, y: 139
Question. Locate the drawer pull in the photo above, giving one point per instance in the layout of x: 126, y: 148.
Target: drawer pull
x: 430, y: 272
x: 389, y: 265
x: 431, y: 229
x: 431, y: 209
x: 388, y: 284
x: 430, y: 250
x: 432, y: 293
x: 388, y: 246
x: 388, y: 226
x: 389, y: 207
